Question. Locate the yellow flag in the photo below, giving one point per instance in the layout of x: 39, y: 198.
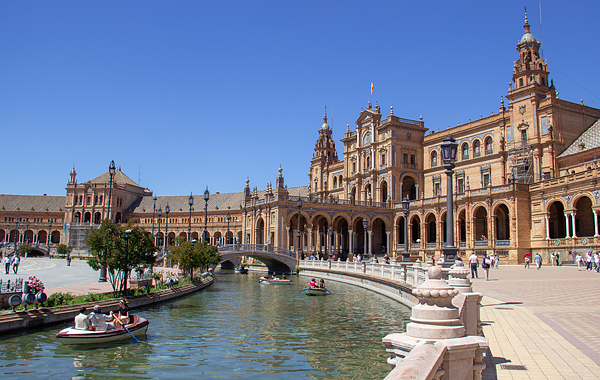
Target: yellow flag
x: 371, y: 87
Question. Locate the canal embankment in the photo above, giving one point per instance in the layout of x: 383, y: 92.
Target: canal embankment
x: 26, y: 319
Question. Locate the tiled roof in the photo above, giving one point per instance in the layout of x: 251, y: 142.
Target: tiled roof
x: 590, y: 140
x: 25, y: 203
x: 179, y: 203
x: 119, y: 178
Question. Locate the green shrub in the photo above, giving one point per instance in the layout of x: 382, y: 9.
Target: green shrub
x: 59, y: 299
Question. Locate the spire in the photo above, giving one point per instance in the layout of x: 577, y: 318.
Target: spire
x: 73, y: 174
x: 391, y: 110
x: 325, y: 117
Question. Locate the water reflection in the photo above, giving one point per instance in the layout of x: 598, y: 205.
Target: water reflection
x: 235, y: 329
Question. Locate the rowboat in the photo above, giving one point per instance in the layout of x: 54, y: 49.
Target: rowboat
x: 241, y: 270
x: 274, y: 281
x: 138, y: 327
x: 310, y: 291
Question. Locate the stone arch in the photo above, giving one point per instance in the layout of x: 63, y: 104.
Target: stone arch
x: 464, y: 151
x: 433, y: 158
x: 488, y: 145
x: 320, y: 234
x: 415, y: 228
x: 584, y: 217
x: 476, y: 145
x: 118, y: 217
x: 55, y: 237
x: 409, y: 187
x: 480, y: 223
x: 87, y: 217
x: 399, y: 223
x: 259, y: 237
x: 218, y: 238
x: 341, y: 181
x: 430, y: 228
x: 556, y: 222
x: 501, y: 214
x: 293, y: 231
x: 359, y: 234
x: 379, y: 244
x: 368, y: 191
x: 2, y: 235
x: 383, y: 191
x: 182, y: 235
x: 171, y: 238
x: 97, y: 217
x: 77, y: 217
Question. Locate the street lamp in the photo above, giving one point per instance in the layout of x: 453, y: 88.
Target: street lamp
x: 167, y: 210
x: 158, y: 242
x: 449, y: 147
x: 127, y: 234
x: 206, y: 197
x: 153, y: 211
x: 364, y: 223
x: 228, y: 220
x: 330, y: 241
x: 405, y: 205
x: 299, y: 205
x: 26, y: 234
x: 111, y: 171
x: 49, y: 236
x: 191, y: 203
x: 16, y: 233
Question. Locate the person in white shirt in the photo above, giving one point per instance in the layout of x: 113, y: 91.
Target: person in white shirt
x: 578, y: 260
x: 82, y: 322
x: 99, y: 320
x: 474, y: 260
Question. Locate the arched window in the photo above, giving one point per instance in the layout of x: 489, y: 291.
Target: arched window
x: 476, y: 149
x: 489, y: 146
x: 335, y: 182
x: 434, y: 162
x: 465, y: 151
x: 341, y: 183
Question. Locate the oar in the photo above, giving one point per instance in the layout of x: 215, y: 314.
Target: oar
x: 328, y: 291
x: 134, y: 338
x: 302, y: 290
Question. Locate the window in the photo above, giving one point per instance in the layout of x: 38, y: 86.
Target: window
x: 486, y: 176
x: 476, y: 149
x: 405, y: 158
x: 335, y: 182
x: 409, y: 136
x: 434, y: 159
x: 460, y: 184
x: 88, y: 201
x: 489, y: 146
x: 413, y: 159
x: 437, y: 185
x: 367, y: 139
x: 465, y: 151
x: 340, y: 181
x: 354, y: 167
x: 486, y: 180
x: 383, y: 159
x: 524, y: 136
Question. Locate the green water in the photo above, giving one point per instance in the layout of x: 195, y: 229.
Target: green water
x: 238, y: 329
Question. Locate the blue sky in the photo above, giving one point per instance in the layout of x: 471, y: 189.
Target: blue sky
x: 185, y: 94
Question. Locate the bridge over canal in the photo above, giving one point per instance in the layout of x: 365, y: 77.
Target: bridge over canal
x: 276, y: 259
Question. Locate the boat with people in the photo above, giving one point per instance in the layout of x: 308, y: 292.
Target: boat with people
x: 315, y: 291
x: 137, y: 328
x: 274, y: 281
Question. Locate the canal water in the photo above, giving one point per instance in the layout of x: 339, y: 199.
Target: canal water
x: 237, y: 328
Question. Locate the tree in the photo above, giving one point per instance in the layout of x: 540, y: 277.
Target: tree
x: 189, y: 256
x: 24, y: 249
x: 110, y: 248
x: 63, y: 249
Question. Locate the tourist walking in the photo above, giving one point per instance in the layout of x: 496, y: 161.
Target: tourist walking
x: 597, y: 261
x: 15, y: 262
x: 527, y: 259
x: 538, y: 260
x: 588, y: 261
x: 474, y: 260
x: 579, y: 260
x: 6, y: 262
x: 485, y: 264
x: 497, y: 259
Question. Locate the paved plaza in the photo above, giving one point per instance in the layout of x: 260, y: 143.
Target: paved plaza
x: 545, y: 320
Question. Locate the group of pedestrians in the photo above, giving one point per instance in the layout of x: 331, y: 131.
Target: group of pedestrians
x: 487, y: 263
x: 13, y: 261
x: 592, y: 261
x: 537, y: 259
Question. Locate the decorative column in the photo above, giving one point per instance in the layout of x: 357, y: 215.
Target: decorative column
x: 547, y: 226
x: 350, y: 241
x: 387, y: 238
x: 568, y: 234
x: 287, y: 231
x: 370, y: 241
x: 595, y: 222
x: 310, y: 239
x: 573, y: 220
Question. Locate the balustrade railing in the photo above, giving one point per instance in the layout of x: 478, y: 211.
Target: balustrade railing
x: 11, y: 286
x: 410, y: 274
x: 481, y: 243
x: 335, y: 201
x: 502, y: 243
x: 256, y: 248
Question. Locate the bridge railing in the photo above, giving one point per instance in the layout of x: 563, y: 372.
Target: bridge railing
x: 256, y: 248
x: 412, y: 274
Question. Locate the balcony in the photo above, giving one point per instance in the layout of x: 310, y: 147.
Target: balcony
x: 502, y: 243
x: 430, y: 245
x: 481, y: 243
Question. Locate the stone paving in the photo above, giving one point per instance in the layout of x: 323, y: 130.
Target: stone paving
x: 546, y: 320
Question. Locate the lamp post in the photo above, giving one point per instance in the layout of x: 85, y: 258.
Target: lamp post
x: 364, y: 223
x: 16, y: 233
x: 191, y: 203
x: 158, y: 243
x: 206, y: 197
x: 49, y: 236
x: 153, y: 211
x: 167, y: 210
x: 127, y: 234
x: 26, y: 235
x: 330, y: 241
x: 449, y: 147
x: 228, y: 220
x: 111, y: 172
x: 299, y: 205
x: 405, y: 254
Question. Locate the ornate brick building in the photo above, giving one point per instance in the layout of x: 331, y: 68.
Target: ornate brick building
x: 525, y: 180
